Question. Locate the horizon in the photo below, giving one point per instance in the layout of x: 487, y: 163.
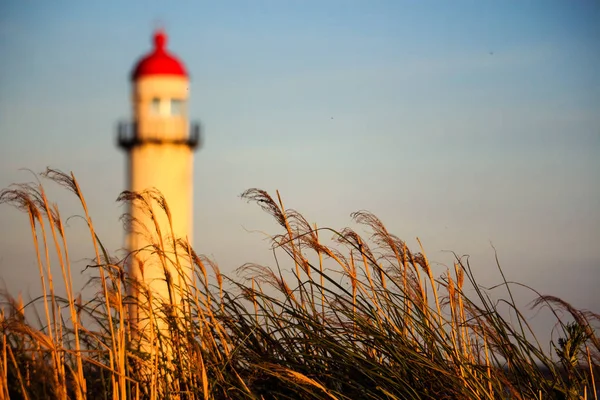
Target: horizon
x: 464, y: 125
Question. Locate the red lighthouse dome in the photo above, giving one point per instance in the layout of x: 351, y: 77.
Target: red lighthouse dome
x: 159, y: 61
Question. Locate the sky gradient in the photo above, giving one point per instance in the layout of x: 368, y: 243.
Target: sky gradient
x: 464, y: 123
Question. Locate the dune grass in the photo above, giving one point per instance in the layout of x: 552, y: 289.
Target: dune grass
x: 354, y: 319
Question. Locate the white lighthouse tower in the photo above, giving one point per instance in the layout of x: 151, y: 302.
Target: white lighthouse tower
x: 160, y: 144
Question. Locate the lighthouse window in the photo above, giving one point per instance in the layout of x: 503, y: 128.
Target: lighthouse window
x: 176, y: 107
x: 155, y: 105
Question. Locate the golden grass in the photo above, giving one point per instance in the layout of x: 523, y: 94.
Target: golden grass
x: 385, y: 330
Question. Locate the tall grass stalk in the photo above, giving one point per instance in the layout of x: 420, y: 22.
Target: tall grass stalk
x: 357, y: 320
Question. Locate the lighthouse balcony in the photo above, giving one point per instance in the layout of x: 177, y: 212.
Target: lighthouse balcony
x: 129, y: 136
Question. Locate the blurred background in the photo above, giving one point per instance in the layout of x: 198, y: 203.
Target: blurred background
x: 464, y: 123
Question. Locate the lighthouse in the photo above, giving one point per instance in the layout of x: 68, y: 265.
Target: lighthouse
x: 159, y: 142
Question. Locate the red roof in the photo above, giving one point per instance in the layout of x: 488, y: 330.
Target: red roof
x: 159, y: 61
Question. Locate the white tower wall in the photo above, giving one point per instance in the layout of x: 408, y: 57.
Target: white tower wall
x: 160, y: 158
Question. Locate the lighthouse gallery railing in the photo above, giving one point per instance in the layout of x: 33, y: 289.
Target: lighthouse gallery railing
x: 128, y: 136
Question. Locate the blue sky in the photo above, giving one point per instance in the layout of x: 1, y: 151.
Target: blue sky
x: 463, y: 123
